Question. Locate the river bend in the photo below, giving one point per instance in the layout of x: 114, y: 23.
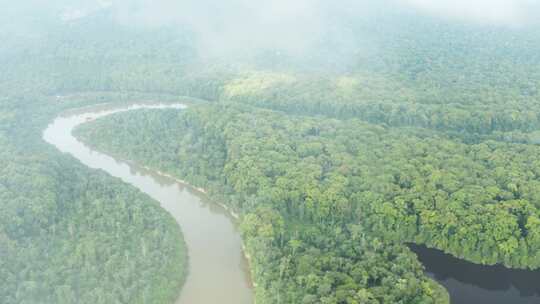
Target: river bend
x: 218, y: 271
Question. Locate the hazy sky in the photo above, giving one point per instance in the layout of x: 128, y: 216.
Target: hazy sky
x: 272, y: 12
x: 278, y: 12
x: 491, y: 12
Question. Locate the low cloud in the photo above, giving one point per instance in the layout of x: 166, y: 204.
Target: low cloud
x: 234, y: 25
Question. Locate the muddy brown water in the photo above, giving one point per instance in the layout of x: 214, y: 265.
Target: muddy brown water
x: 218, y: 270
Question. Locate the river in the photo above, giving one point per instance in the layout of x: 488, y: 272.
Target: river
x: 218, y: 270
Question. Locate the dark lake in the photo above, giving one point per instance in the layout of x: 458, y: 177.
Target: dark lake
x: 470, y: 283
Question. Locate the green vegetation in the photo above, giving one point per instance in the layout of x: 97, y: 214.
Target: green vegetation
x: 72, y: 235
x: 292, y: 181
x: 423, y: 131
x: 411, y: 166
x: 69, y: 234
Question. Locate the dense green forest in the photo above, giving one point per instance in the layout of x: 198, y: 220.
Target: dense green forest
x: 414, y: 129
x: 402, y: 185
x: 71, y: 235
x: 403, y: 155
x: 299, y: 220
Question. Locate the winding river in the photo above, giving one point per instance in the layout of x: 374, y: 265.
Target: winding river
x: 218, y: 270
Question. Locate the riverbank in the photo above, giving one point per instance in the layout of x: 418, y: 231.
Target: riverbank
x: 202, y: 191
x: 205, y: 192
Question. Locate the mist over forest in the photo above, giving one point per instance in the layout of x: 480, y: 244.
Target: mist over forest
x: 343, y: 151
